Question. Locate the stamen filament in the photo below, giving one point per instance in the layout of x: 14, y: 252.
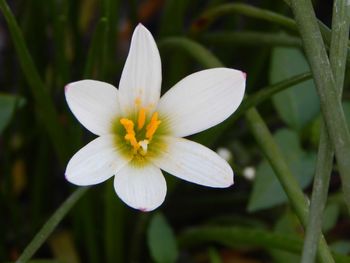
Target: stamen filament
x: 152, y: 126
x: 141, y: 119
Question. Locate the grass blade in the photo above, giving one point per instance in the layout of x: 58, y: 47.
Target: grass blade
x: 51, y: 224
x: 338, y: 52
x: 45, y: 107
x: 330, y: 104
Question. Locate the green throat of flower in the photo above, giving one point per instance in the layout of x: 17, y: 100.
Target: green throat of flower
x: 140, y: 136
x: 146, y: 132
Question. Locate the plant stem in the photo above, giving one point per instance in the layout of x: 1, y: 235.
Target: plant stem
x: 209, y: 16
x: 330, y: 103
x: 250, y: 38
x: 51, y: 224
x: 238, y: 236
x: 267, y: 145
x: 338, y: 50
x: 289, y: 183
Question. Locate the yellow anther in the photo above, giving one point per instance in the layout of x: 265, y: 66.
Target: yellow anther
x: 140, y: 147
x: 152, y: 126
x: 128, y: 125
x: 142, y: 118
x: 130, y: 133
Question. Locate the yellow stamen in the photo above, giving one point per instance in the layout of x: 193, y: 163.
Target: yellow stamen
x: 140, y: 147
x: 130, y: 133
x: 152, y: 126
x: 142, y: 118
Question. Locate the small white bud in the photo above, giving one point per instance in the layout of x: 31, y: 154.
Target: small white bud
x: 249, y: 173
x: 224, y: 153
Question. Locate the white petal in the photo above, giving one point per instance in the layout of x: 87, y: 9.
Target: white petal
x: 142, y: 74
x: 142, y: 188
x: 193, y: 162
x: 96, y: 162
x: 94, y: 103
x: 202, y: 100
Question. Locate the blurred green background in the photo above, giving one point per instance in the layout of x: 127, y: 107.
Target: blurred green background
x: 72, y: 40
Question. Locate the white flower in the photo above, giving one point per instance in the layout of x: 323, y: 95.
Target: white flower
x: 140, y: 133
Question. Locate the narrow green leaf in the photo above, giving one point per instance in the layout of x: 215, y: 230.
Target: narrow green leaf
x: 44, y: 104
x: 237, y: 237
x: 330, y: 104
x: 114, y: 226
x: 111, y: 10
x: 249, y: 38
x: 50, y: 225
x: 338, y: 53
x: 214, y: 256
x: 172, y: 24
x: 97, y: 53
x: 204, y: 56
x: 8, y: 105
x: 161, y: 240
x: 210, y: 15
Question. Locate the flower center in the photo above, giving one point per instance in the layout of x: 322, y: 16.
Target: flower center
x: 145, y: 132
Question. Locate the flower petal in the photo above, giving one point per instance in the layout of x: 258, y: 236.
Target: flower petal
x: 193, y: 162
x: 202, y: 100
x: 142, y: 188
x: 96, y: 162
x: 142, y: 74
x: 94, y: 103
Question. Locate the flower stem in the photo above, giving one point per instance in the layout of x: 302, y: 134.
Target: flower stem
x: 231, y: 236
x: 338, y: 53
x: 267, y: 145
x: 325, y: 83
x: 249, y: 38
x: 51, y: 224
x: 209, y: 16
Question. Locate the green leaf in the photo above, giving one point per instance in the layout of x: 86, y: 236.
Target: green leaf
x: 330, y: 217
x: 341, y: 247
x: 45, y: 107
x: 214, y: 256
x: 287, y: 224
x: 8, y: 104
x: 298, y: 105
x: 346, y: 108
x: 267, y: 191
x: 161, y: 240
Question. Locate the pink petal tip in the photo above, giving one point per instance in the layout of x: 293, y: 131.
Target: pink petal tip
x: 244, y: 74
x: 66, y: 88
